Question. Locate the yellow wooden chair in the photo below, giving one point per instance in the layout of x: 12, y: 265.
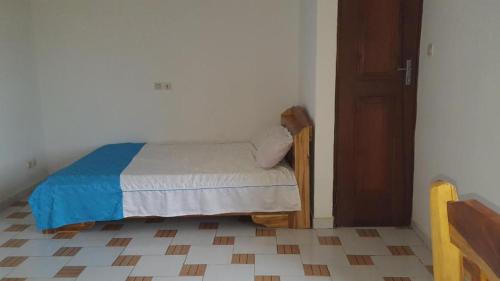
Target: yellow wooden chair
x: 465, y: 237
x: 446, y: 256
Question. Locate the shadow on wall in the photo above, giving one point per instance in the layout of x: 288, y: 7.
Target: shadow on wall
x: 469, y: 196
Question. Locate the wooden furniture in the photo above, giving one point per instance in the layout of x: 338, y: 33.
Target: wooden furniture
x: 375, y: 111
x: 465, y: 237
x: 297, y: 121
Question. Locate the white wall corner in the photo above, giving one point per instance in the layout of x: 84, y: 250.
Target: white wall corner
x: 321, y: 223
x: 421, y: 234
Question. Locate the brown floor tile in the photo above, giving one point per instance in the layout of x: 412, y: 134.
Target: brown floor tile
x: 112, y: 227
x: 118, y: 242
x: 178, y: 250
x: 359, y: 260
x: 67, y: 251
x: 14, y: 243
x: 140, y: 278
x: 329, y: 240
x: 65, y: 235
x: 400, y: 250
x: 70, y: 272
x: 316, y: 270
x: 288, y: 249
x: 223, y: 240
x: 19, y: 204
x: 209, y: 225
x: 367, y: 233
x: 16, y: 228
x: 13, y: 279
x: 126, y: 260
x: 163, y: 233
x: 265, y: 232
x: 12, y: 261
x: 18, y: 215
x: 266, y: 278
x: 430, y: 268
x: 397, y: 279
x: 243, y: 259
x: 193, y: 270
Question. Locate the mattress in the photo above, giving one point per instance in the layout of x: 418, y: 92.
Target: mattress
x: 193, y: 179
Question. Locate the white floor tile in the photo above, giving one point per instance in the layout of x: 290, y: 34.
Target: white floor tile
x: 4, y: 271
x: 40, y: 267
x: 344, y: 233
x: 231, y: 272
x: 400, y: 266
x: 255, y: 245
x: 138, y: 230
x: 92, y: 238
x: 41, y: 247
x: 355, y: 273
x: 365, y: 246
x: 297, y: 236
x: 5, y: 252
x: 118, y: 273
x: 194, y: 237
x: 96, y: 256
x: 51, y: 279
x: 399, y: 237
x: 32, y: 233
x: 325, y: 232
x: 180, y: 278
x: 159, y: 266
x: 147, y: 246
x: 278, y: 265
x: 210, y: 255
x: 236, y: 229
x: 423, y: 253
x: 305, y: 278
x: 313, y: 254
x: 4, y: 236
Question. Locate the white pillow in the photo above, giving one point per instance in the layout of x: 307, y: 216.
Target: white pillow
x: 272, y: 146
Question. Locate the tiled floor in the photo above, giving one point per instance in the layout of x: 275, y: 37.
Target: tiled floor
x: 209, y: 249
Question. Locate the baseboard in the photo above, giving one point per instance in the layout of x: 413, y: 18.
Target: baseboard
x: 421, y: 234
x: 5, y: 203
x: 321, y: 223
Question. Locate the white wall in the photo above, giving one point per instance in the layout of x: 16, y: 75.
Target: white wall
x: 458, y: 132
x: 233, y: 65
x: 318, y: 65
x: 20, y: 126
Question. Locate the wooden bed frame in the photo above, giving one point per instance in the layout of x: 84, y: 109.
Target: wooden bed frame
x: 465, y: 237
x: 297, y: 121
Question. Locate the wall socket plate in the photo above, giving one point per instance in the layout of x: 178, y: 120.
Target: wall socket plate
x: 162, y: 86
x: 30, y: 164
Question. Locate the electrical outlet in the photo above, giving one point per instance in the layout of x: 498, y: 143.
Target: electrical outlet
x: 162, y: 86
x: 30, y: 164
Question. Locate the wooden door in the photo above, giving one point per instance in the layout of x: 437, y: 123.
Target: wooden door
x: 375, y: 111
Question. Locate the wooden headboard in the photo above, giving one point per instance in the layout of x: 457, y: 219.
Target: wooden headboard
x: 297, y: 121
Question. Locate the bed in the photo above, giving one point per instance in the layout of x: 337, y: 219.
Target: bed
x: 131, y: 180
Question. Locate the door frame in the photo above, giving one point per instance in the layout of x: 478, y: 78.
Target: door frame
x: 409, y: 106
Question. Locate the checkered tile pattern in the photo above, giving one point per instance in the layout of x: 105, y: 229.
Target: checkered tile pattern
x: 207, y: 249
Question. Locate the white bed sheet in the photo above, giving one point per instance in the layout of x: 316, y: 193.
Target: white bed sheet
x: 193, y: 179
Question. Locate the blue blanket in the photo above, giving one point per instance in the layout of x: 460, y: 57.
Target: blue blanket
x: 87, y: 190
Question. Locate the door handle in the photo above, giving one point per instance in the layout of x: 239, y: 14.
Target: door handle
x: 408, y: 72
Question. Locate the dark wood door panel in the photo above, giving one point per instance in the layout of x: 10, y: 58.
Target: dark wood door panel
x: 380, y: 38
x: 375, y: 111
x: 373, y: 143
